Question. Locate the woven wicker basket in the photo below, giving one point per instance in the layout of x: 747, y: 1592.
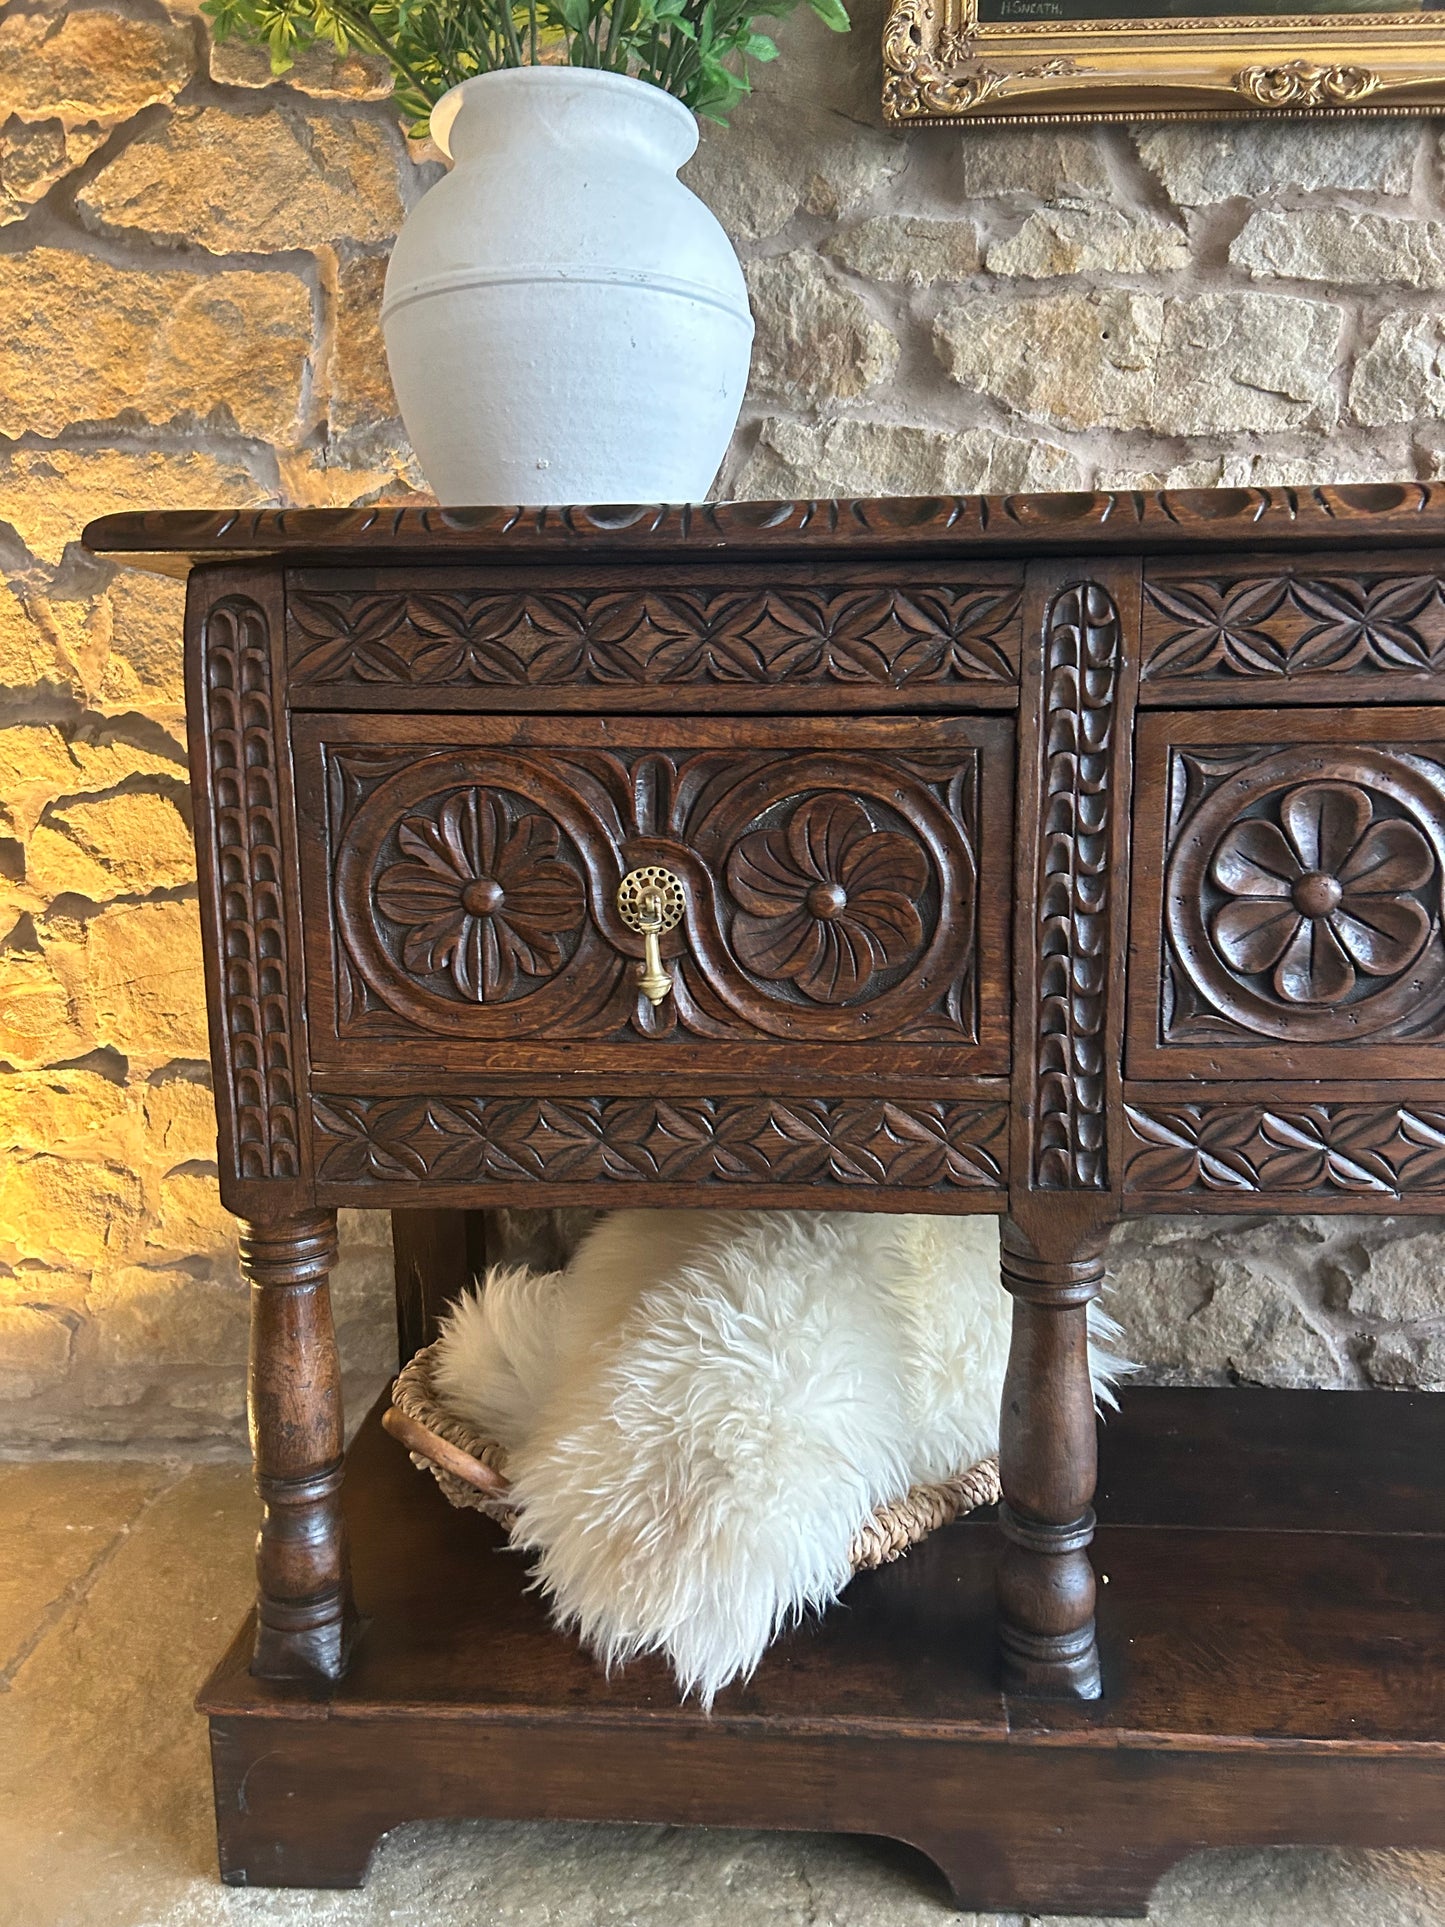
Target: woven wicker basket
x: 471, y: 1471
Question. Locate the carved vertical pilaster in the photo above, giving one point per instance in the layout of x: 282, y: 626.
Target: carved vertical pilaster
x: 246, y: 858
x: 1073, y: 802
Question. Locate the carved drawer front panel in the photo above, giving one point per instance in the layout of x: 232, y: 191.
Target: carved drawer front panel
x: 1294, y: 630
x: 1287, y: 917
x: 843, y: 886
x: 557, y: 639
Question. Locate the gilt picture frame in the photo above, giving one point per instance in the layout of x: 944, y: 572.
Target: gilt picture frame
x: 994, y: 61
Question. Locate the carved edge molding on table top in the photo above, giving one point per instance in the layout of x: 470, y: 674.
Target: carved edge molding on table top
x: 1286, y: 1148
x: 1367, y: 512
x: 249, y: 867
x: 841, y: 1143
x: 1083, y: 642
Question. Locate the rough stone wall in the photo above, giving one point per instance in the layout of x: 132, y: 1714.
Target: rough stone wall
x: 190, y: 268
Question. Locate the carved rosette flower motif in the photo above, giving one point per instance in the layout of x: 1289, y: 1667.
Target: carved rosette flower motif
x: 1302, y: 894
x: 481, y: 896
x: 1320, y: 898
x: 828, y: 900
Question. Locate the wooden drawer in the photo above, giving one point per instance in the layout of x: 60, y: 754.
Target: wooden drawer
x: 780, y: 636
x: 846, y: 887
x: 1293, y: 629
x: 1287, y: 895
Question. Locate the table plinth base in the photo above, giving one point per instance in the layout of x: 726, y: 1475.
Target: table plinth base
x: 1273, y: 1651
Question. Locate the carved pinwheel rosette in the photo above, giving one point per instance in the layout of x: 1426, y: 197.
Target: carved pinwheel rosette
x: 1304, y: 898
x: 829, y: 902
x: 847, y: 907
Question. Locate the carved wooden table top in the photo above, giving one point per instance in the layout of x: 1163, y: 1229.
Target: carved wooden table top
x: 1061, y: 857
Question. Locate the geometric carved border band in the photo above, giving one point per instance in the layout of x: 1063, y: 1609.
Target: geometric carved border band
x: 929, y: 633
x: 1363, y: 624
x: 1083, y: 644
x: 844, y: 1143
x: 1285, y: 1149
x: 249, y: 867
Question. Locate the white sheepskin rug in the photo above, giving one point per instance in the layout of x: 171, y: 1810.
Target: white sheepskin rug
x: 703, y: 1409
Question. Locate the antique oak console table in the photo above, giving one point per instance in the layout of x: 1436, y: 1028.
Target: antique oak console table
x: 1060, y: 857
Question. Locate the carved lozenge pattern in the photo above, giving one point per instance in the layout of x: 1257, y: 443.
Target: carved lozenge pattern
x: 1285, y: 1150
x: 881, y: 637
x: 1285, y: 626
x: 1082, y: 641
x: 834, y: 1143
x: 249, y: 869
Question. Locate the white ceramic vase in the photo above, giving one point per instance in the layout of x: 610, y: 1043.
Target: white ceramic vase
x: 564, y: 320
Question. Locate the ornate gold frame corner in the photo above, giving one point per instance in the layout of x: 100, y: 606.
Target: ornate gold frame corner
x: 941, y: 64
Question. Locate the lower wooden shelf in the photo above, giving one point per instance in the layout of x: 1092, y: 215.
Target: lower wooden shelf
x: 1273, y: 1643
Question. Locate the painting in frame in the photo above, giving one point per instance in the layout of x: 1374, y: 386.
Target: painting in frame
x: 1061, y: 60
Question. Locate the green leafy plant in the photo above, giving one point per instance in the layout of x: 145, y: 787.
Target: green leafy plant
x: 699, y: 50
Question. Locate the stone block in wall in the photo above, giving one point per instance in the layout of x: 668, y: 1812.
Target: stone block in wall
x: 144, y: 668
x: 145, y: 1321
x: 1044, y: 163
x: 817, y: 342
x: 75, y: 1212
x: 1400, y: 374
x: 1206, y: 364
x: 907, y: 248
x: 1246, y: 469
x: 1343, y: 246
x: 136, y: 842
x: 362, y: 402
x: 189, y: 1220
x: 1076, y: 241
x: 1406, y: 1361
x: 144, y: 977
x: 34, y: 657
x: 780, y: 157
x: 89, y: 64
x: 40, y: 764
x: 1200, y: 163
x: 35, y: 1351
x: 34, y: 155
x: 320, y: 71
x: 256, y: 182
x: 83, y: 341
x: 179, y: 1115
x: 47, y: 495
x: 63, y: 1111
x: 803, y: 460
x: 1208, y: 1305
x: 1396, y: 1281
x: 41, y: 1017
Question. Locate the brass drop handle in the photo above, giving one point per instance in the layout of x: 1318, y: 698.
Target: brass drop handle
x: 651, y: 902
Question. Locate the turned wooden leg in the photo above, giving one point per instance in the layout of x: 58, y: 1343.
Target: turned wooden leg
x: 1048, y: 1462
x: 304, y: 1614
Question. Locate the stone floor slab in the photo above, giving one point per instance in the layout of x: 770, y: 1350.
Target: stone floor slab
x: 105, y: 1811
x: 58, y: 1520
